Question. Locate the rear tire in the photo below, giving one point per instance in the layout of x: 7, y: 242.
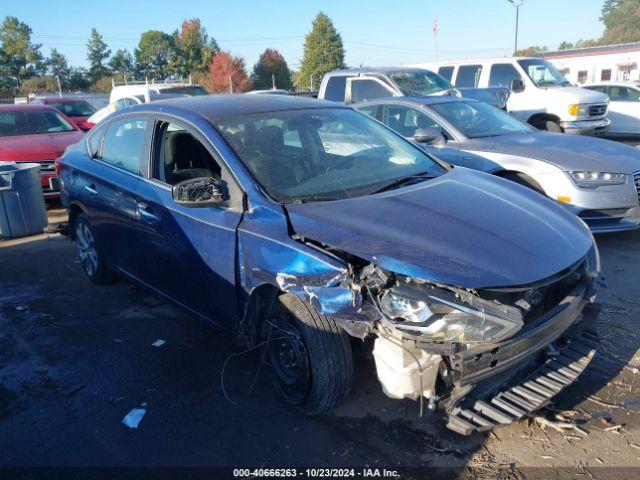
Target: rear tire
x: 313, y: 364
x: 91, y: 258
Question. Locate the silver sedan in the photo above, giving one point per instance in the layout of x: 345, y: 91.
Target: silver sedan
x: 599, y: 180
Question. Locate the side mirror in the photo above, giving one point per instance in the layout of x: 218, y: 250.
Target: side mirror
x: 430, y: 135
x: 85, y: 126
x: 516, y: 85
x: 198, y: 192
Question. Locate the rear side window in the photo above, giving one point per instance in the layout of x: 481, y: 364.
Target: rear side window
x: 468, y: 75
x: 362, y: 90
x: 446, y: 72
x: 501, y: 75
x: 336, y: 87
x: 369, y: 110
x: 123, y: 144
x: 95, y: 141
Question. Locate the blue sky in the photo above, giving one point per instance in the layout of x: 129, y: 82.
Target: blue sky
x: 374, y: 32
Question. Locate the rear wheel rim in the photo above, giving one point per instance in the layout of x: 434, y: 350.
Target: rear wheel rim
x: 86, y: 249
x: 290, y: 362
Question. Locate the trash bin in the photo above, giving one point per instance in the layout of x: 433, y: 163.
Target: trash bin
x: 22, y: 209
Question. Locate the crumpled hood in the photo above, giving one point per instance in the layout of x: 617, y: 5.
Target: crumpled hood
x: 465, y: 228
x: 568, y: 152
x: 46, y: 146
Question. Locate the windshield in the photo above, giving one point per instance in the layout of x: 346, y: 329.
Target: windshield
x: 78, y: 108
x: 322, y: 154
x: 31, y: 122
x: 542, y: 73
x: 419, y: 83
x: 477, y: 119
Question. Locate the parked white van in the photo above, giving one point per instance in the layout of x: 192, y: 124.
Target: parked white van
x: 540, y: 94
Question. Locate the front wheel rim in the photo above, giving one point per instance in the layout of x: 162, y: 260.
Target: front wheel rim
x: 290, y: 362
x: 86, y: 249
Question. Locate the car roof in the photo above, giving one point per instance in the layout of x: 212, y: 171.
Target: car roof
x: 60, y: 100
x: 13, y: 107
x: 426, y: 100
x: 357, y: 70
x: 218, y: 106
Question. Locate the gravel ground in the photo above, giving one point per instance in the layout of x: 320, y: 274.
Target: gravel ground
x: 76, y: 358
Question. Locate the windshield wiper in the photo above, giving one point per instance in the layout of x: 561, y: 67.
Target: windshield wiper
x: 314, y: 198
x: 398, y: 182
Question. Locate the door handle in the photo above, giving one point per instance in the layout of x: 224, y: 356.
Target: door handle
x: 91, y: 189
x: 146, y: 215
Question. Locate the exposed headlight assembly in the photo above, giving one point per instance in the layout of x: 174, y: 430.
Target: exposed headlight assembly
x: 597, y: 179
x: 438, y: 315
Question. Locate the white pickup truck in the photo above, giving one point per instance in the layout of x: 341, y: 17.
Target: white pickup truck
x: 540, y: 94
x: 354, y: 85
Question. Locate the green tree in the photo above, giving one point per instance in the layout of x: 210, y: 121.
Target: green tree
x: 122, y: 64
x: 323, y: 52
x: 97, y: 54
x: 154, y: 53
x: 566, y: 46
x: 78, y: 80
x: 58, y: 66
x: 621, y: 20
x: 271, y: 63
x: 193, y: 48
x: 19, y: 57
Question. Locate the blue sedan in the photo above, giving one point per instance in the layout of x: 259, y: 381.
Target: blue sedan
x: 297, y: 225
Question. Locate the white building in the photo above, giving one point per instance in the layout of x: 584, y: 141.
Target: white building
x: 595, y: 64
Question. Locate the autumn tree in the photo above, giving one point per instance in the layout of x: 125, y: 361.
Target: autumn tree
x: 19, y: 57
x: 621, y: 20
x: 271, y: 71
x: 193, y: 48
x: 155, y: 51
x: 97, y: 54
x: 323, y: 52
x: 226, y: 74
x: 530, y: 51
x: 41, y: 84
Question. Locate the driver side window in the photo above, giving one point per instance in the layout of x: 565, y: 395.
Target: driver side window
x: 407, y: 121
x: 180, y: 156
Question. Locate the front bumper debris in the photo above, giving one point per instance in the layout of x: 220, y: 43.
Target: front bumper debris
x: 530, y: 394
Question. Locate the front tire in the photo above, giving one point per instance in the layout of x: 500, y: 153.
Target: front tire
x: 91, y: 259
x: 310, y: 356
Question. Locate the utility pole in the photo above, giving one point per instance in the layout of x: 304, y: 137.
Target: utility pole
x: 273, y: 82
x: 230, y: 84
x: 517, y: 4
x: 59, y: 86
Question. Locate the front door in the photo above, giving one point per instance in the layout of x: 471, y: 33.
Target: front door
x: 624, y: 110
x: 188, y: 253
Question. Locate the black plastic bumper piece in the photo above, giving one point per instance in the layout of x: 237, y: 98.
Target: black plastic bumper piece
x: 531, y: 393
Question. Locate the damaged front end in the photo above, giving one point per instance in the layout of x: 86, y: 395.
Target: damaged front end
x: 488, y: 356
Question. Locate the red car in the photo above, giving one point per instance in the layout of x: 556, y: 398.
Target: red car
x: 76, y: 109
x: 38, y: 134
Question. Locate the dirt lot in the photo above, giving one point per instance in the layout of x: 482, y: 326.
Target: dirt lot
x: 76, y: 358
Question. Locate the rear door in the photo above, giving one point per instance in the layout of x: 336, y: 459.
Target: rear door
x: 108, y: 186
x: 188, y: 253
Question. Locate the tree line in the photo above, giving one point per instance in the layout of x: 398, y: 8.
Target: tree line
x: 187, y: 52
x: 621, y: 19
